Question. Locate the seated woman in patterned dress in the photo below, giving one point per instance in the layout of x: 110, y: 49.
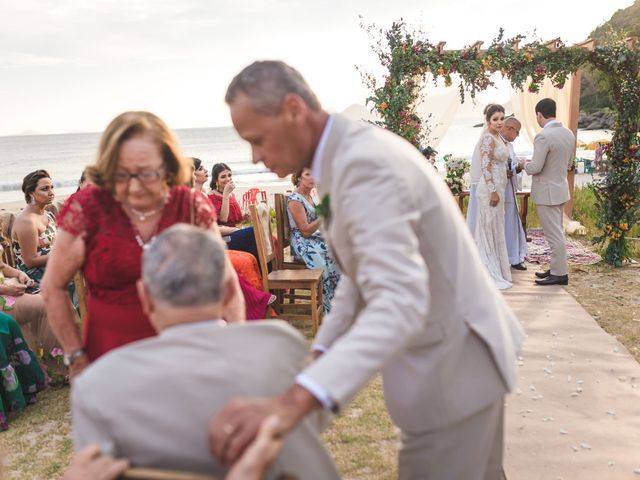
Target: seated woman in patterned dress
x: 21, y: 376
x: 306, y: 241
x: 35, y: 227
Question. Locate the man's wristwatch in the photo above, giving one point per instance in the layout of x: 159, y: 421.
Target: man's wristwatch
x: 69, y: 358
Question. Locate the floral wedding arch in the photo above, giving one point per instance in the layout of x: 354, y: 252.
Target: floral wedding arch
x: 408, y: 59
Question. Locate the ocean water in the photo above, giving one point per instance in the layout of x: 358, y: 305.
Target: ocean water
x: 64, y: 156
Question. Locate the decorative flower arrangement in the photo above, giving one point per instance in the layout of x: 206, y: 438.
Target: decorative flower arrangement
x: 409, y: 57
x: 456, y: 168
x: 57, y: 376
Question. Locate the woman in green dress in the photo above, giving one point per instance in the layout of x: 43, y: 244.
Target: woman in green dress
x: 21, y: 376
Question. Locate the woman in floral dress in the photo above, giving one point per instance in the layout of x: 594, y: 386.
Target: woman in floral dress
x: 306, y: 241
x: 21, y: 376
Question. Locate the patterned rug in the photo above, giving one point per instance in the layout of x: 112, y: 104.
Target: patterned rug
x: 539, y: 251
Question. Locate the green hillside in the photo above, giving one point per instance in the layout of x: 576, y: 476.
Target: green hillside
x: 624, y: 23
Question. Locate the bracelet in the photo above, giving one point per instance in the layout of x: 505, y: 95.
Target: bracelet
x: 69, y: 358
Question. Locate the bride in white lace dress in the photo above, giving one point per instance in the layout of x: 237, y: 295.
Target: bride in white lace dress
x: 492, y: 153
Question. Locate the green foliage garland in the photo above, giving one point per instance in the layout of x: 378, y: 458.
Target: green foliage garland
x: 408, y: 58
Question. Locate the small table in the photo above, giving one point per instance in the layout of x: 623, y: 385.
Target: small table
x: 524, y: 204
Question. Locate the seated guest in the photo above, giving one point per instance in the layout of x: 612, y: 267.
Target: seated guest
x: 27, y: 309
x: 200, y: 174
x: 306, y: 241
x: 191, y: 369
x: 21, y: 376
x: 229, y: 211
x: 35, y: 227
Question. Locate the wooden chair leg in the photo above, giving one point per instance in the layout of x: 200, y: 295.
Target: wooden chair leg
x: 320, y: 303
x: 314, y: 309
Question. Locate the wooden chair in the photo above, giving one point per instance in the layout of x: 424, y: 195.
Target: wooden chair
x: 283, y: 234
x: 156, y: 474
x: 280, y: 281
x: 6, y: 224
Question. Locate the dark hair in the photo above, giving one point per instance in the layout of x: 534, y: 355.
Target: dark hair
x: 83, y: 178
x: 490, y: 109
x: 197, y: 163
x: 546, y: 107
x: 295, y: 177
x: 216, y: 170
x: 427, y: 152
x: 30, y: 183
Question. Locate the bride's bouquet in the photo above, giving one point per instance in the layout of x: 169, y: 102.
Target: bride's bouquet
x: 456, y: 168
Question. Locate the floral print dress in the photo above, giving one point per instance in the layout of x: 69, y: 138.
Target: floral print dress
x: 45, y: 240
x: 21, y: 376
x: 313, y: 251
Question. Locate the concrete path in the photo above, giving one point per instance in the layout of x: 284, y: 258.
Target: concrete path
x: 576, y: 412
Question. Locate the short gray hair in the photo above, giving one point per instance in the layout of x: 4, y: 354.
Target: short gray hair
x: 266, y: 83
x: 185, y: 266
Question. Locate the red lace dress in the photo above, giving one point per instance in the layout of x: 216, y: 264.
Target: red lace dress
x: 113, y: 260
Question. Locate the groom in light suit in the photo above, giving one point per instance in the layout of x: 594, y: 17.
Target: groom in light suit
x: 402, y: 307
x: 553, y: 151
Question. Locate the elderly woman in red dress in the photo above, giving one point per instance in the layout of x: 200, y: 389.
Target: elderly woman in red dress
x: 138, y: 191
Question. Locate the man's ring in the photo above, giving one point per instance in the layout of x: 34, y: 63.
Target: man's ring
x: 227, y: 429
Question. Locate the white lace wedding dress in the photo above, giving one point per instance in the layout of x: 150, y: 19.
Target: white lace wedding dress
x: 489, y: 233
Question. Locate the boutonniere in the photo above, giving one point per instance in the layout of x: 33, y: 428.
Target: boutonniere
x: 322, y: 209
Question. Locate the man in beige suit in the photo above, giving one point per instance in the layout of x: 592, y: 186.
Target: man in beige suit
x: 414, y: 301
x: 553, y: 151
x: 150, y: 401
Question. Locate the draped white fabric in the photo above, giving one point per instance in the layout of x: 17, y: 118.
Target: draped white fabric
x: 438, y: 108
x: 524, y: 106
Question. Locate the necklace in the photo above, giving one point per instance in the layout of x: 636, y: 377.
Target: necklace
x: 142, y: 216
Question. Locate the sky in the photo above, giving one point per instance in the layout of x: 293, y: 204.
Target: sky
x: 67, y: 65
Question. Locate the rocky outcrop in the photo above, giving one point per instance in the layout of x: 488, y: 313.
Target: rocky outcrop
x: 595, y: 121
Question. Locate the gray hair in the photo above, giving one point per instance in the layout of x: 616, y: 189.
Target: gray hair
x: 266, y: 84
x: 185, y: 266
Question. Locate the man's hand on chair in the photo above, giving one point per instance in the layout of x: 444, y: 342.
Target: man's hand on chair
x: 237, y: 424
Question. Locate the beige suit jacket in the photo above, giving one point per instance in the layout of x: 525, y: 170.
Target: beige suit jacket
x: 151, y: 401
x: 553, y: 151
x: 414, y: 292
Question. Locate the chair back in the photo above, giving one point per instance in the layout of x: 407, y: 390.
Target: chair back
x: 283, y: 229
x: 6, y: 224
x: 264, y: 241
x: 157, y: 474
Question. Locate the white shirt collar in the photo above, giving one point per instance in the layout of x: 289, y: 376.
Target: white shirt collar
x: 316, y: 162
x: 551, y: 123
x: 180, y: 328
